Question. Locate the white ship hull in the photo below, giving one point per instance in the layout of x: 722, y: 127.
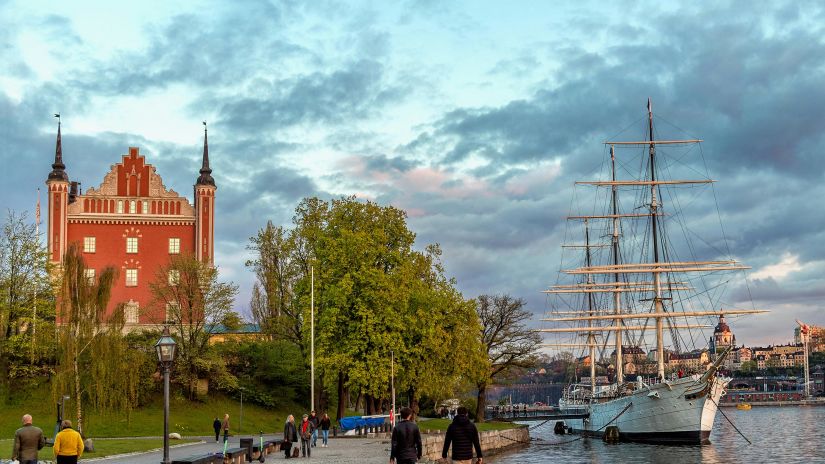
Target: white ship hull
x: 679, y: 411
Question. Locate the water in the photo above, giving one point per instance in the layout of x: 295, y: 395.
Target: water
x: 779, y: 434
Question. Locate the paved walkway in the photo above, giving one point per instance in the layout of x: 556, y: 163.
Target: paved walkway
x: 340, y: 451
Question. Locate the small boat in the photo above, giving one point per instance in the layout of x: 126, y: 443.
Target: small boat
x: 743, y: 406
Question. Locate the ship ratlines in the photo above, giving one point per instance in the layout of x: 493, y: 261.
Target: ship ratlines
x: 637, y: 283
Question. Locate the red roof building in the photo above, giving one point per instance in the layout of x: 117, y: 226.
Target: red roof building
x: 132, y: 222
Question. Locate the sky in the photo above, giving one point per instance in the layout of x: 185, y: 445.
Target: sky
x: 476, y: 117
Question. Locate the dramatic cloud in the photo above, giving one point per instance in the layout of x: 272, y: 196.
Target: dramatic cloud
x: 475, y: 119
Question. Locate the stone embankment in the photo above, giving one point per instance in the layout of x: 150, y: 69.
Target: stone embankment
x: 492, y: 442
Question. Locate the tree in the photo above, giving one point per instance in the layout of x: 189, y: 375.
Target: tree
x: 510, y: 346
x: 81, y: 307
x: 748, y: 366
x: 188, y: 292
x: 26, y: 303
x: 375, y: 297
x: 441, y: 351
x: 273, y: 295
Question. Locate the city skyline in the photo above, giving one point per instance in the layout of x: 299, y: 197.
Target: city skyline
x: 474, y: 117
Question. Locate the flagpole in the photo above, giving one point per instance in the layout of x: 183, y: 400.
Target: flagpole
x: 312, y: 339
x: 34, y: 302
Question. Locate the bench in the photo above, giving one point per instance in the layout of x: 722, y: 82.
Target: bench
x: 201, y: 459
x: 235, y: 456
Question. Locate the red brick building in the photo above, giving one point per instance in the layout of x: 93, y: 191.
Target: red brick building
x: 132, y: 222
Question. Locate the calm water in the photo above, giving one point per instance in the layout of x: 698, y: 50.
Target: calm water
x: 779, y: 434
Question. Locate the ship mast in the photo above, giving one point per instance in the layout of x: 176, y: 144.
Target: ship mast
x: 656, y: 266
x: 616, y: 295
x: 591, y: 339
x: 657, y: 281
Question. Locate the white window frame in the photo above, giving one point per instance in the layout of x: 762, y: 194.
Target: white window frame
x: 174, y: 277
x: 90, y: 275
x: 89, y: 244
x: 131, y: 245
x: 145, y: 207
x: 174, y: 246
x: 120, y: 207
x: 131, y: 312
x: 131, y: 277
x: 132, y: 207
x: 170, y: 308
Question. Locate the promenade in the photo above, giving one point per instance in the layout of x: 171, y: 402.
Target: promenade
x: 340, y: 451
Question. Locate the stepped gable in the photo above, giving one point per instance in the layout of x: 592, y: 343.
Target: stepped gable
x: 134, y: 178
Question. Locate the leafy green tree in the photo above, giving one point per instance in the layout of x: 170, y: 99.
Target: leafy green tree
x: 26, y: 304
x: 375, y: 297
x: 194, y: 302
x: 81, y: 308
x: 748, y: 366
x: 509, y: 344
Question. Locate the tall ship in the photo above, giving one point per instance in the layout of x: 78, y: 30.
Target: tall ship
x: 636, y: 290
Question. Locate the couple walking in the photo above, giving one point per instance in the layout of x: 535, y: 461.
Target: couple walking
x: 462, y: 434
x: 307, y: 430
x: 28, y: 440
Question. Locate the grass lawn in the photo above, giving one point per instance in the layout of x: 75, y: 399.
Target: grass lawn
x: 104, y: 447
x: 189, y: 418
x: 442, y: 424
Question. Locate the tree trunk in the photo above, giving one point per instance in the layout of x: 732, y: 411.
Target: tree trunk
x: 369, y: 405
x: 323, y: 395
x: 481, y: 405
x: 77, y: 396
x: 414, y: 402
x: 342, y: 397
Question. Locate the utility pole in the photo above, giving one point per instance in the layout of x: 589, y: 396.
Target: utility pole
x: 312, y: 339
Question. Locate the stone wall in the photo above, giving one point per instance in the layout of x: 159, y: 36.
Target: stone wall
x: 492, y: 442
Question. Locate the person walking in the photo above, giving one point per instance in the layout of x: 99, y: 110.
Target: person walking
x: 325, y: 423
x: 217, y: 426
x: 28, y: 439
x: 463, y: 435
x: 68, y: 444
x: 225, y: 427
x: 315, y: 422
x: 406, y: 445
x: 290, y: 435
x: 305, y: 431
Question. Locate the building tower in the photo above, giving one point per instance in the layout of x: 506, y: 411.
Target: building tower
x: 57, y: 185
x: 205, y: 208
x: 722, y: 337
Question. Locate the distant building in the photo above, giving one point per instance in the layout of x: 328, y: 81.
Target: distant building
x: 131, y: 222
x: 693, y: 361
x: 817, y: 337
x: 722, y: 338
x: 632, y: 358
x: 245, y: 332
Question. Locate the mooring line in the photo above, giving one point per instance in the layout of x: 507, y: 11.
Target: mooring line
x: 729, y: 421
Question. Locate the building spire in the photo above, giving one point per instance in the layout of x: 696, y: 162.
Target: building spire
x: 206, y: 172
x: 58, y: 168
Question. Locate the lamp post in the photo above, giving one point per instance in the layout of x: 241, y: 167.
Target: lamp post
x: 165, y: 348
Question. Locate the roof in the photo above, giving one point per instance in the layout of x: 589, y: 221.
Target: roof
x: 242, y: 329
x: 722, y: 326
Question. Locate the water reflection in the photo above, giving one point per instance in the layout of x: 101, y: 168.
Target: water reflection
x: 788, y: 434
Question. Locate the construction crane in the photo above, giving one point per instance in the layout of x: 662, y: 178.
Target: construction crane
x: 804, y: 333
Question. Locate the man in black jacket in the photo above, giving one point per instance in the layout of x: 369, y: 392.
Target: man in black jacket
x: 406, y: 440
x: 463, y: 434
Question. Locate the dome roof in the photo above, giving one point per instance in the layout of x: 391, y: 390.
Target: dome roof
x: 722, y: 326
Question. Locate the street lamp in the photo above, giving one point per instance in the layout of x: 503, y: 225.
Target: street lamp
x: 165, y: 348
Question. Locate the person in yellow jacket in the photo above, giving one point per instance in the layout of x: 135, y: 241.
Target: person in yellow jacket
x: 68, y: 444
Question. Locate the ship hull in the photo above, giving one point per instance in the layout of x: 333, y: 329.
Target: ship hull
x: 678, y: 412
